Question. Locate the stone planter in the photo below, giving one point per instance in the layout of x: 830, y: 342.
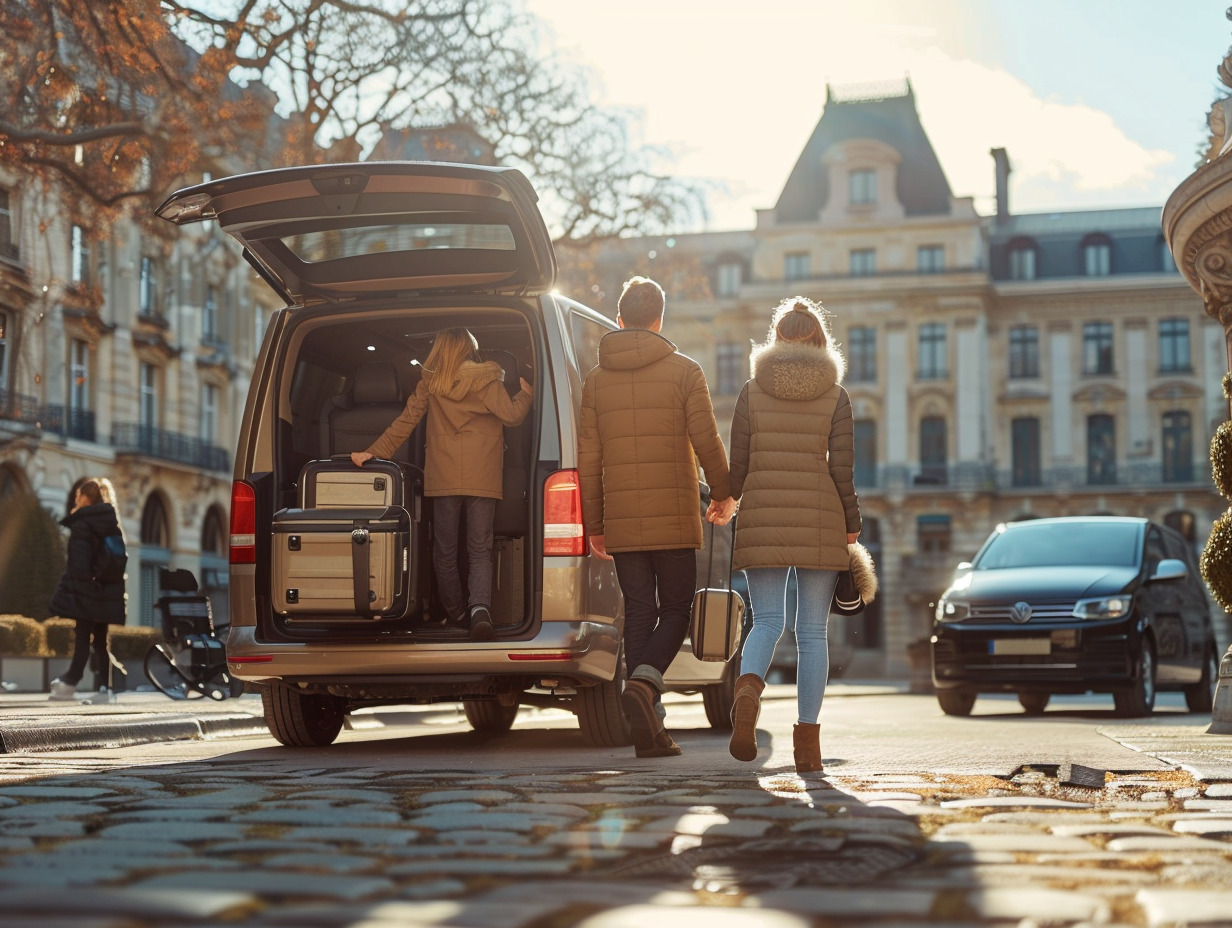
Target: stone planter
x: 29, y: 674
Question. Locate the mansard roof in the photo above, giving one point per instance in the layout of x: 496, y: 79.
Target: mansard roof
x: 867, y: 113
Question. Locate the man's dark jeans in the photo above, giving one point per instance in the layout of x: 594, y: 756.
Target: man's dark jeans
x: 658, y: 588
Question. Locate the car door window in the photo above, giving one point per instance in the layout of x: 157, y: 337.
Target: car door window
x: 1155, y: 551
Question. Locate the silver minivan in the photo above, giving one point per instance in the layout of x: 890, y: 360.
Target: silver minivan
x: 372, y: 260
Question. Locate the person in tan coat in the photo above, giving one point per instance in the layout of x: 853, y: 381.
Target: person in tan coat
x: 646, y: 419
x: 467, y: 407
x: 792, y: 450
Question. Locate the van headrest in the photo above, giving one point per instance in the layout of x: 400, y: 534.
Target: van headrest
x: 375, y: 383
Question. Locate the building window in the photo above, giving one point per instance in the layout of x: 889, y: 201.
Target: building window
x: 4, y: 351
x: 209, y: 315
x: 796, y: 265
x: 932, y: 352
x: 730, y: 359
x: 149, y: 397
x: 79, y: 271
x: 1022, y: 261
x: 1024, y: 352
x: 1101, y: 449
x: 1167, y: 263
x: 209, y: 414
x: 862, y: 187
x: 865, y: 453
x: 155, y: 553
x: 863, y: 262
x: 930, y: 259
x: 1174, y: 345
x: 1097, y: 257
x: 1025, y: 452
x: 933, y: 534
x: 1177, y: 447
x: 79, y: 376
x: 862, y: 354
x: 932, y: 450
x: 729, y: 277
x: 1097, y: 348
x: 6, y: 224
x: 147, y: 288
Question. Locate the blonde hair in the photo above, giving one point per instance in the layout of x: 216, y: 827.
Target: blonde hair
x: 641, y: 303
x: 449, y: 349
x: 799, y: 319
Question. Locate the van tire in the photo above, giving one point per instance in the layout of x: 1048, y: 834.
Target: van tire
x: 718, y: 698
x: 599, y: 713
x: 490, y: 715
x: 301, y: 720
x: 956, y: 702
x: 1138, y: 699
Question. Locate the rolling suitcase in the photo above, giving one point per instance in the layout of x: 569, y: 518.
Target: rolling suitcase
x: 718, y: 616
x: 336, y: 483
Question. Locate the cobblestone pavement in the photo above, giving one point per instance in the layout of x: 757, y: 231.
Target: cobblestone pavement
x: 264, y: 843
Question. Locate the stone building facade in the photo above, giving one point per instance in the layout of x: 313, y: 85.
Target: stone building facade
x: 1000, y: 367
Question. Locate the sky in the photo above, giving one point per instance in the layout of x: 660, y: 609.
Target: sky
x: 1099, y: 103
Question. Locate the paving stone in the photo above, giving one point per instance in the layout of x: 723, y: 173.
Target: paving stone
x: 1189, y: 907
x: 781, y: 813
x: 477, y: 836
x: 1107, y: 828
x: 733, y: 797
x: 120, y: 847
x: 471, y: 913
x: 129, y: 902
x: 331, y: 815
x: 465, y: 795
x: 432, y: 889
x: 347, y: 794
x: 182, y: 814
x: 1043, y: 905
x: 958, y: 829
x: 325, y: 862
x: 1016, y: 843
x: 184, y: 831
x: 43, y: 871
x: 546, y: 808
x: 1038, y: 802
x: 447, y: 808
x: 273, y: 883
x: 639, y: 916
x: 595, y: 839
x: 31, y: 828
x: 9, y: 843
x: 487, y: 867
x: 1207, y: 874
x: 47, y: 791
x: 341, y: 834
x: 251, y: 847
x: 49, y: 810
x: 708, y: 823
x: 1203, y: 826
x: 904, y: 828
x: 1210, y: 805
x: 481, y: 821
x: 1219, y: 791
x: 838, y: 903
x: 467, y: 850
x: 1168, y: 844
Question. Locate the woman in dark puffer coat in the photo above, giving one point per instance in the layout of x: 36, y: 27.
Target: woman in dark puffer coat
x: 93, y: 604
x: 791, y: 467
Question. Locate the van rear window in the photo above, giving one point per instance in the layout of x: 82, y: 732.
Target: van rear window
x: 331, y: 244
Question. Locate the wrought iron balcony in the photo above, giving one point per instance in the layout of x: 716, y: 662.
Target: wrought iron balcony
x: 983, y: 477
x: 70, y: 422
x: 134, y: 438
x: 18, y: 407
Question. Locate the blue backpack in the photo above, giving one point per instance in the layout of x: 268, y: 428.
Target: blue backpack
x: 110, y: 560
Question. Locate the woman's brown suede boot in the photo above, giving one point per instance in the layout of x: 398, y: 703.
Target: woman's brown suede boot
x: 806, y: 739
x: 745, y: 708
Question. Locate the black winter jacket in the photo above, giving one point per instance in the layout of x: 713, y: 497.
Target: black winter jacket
x: 79, y: 595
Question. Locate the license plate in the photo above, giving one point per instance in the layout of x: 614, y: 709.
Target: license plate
x: 1020, y: 646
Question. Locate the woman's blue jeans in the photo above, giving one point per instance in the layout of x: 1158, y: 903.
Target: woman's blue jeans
x: 768, y: 592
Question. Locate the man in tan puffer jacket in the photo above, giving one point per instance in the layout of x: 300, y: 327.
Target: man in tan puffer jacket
x: 646, y: 419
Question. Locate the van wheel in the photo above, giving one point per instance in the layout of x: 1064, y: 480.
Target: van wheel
x: 599, y: 714
x: 1201, y: 696
x: 301, y: 720
x: 956, y: 702
x: 1138, y: 699
x: 489, y: 714
x: 1034, y: 703
x: 718, y: 698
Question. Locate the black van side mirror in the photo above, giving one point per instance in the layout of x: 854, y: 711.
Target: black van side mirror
x: 1169, y: 568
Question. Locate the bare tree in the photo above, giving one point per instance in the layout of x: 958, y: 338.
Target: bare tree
x: 119, y: 99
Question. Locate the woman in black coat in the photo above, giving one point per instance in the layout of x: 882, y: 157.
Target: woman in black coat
x: 92, y: 603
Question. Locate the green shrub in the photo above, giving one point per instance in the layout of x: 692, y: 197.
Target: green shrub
x: 21, y: 636
x: 61, y: 634
x: 32, y: 557
x: 129, y: 642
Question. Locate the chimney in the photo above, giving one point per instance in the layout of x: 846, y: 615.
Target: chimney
x: 1002, y: 161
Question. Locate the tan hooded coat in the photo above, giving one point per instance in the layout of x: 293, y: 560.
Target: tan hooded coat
x: 645, y: 412
x: 465, y: 444
x: 792, y: 447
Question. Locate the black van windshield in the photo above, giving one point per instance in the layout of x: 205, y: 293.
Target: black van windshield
x: 1063, y: 544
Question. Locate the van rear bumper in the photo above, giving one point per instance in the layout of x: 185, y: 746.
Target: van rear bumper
x: 581, y: 651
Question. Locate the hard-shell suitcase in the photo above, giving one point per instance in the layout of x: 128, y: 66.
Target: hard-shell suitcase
x: 343, y: 564
x: 717, y: 618
x: 336, y: 483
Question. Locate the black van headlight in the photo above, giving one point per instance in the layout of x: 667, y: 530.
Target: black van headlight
x: 1104, y: 607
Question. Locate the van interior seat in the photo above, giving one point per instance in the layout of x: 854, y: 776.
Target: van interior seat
x: 356, y: 418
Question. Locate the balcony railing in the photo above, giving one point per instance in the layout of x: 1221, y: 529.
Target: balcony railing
x: 983, y: 477
x: 133, y: 438
x: 17, y: 407
x: 70, y: 422
x: 10, y: 251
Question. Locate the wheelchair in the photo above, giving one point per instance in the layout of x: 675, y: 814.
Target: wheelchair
x: 192, y: 662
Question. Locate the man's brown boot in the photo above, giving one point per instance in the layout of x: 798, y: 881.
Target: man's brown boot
x: 806, y: 739
x: 745, y: 708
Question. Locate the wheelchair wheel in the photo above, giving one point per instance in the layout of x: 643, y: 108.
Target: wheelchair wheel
x: 168, y: 679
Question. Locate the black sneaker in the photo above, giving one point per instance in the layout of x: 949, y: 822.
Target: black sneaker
x: 481, y: 624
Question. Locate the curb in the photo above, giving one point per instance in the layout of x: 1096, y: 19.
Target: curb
x: 40, y: 739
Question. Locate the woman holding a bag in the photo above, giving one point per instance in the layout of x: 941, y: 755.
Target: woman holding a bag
x: 791, y: 467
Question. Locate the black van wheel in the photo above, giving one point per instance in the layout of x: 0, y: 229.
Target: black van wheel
x: 301, y: 720
x: 1201, y: 696
x: 718, y: 698
x: 1138, y: 699
x: 489, y: 714
x: 956, y: 702
x: 599, y: 714
x: 1034, y: 703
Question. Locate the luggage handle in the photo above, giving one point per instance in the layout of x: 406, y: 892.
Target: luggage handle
x: 360, y: 559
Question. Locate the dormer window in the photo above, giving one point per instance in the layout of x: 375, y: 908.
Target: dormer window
x: 862, y: 187
x: 1022, y: 259
x: 1097, y: 256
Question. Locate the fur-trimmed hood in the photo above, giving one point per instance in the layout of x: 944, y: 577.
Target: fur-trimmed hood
x: 795, y: 370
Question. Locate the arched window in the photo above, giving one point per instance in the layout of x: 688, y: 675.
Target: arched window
x: 932, y: 450
x: 155, y: 554
x: 1097, y: 255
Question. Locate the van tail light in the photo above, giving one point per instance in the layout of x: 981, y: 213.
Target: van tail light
x: 243, y: 523
x: 563, y: 533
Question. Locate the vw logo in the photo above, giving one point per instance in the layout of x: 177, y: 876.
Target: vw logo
x: 1020, y: 612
